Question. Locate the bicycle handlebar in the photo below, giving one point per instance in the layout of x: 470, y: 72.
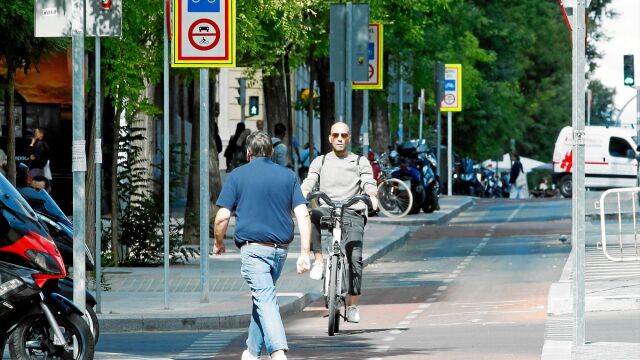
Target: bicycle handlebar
x: 319, y: 194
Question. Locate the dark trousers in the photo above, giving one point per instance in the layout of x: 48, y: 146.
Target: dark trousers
x: 351, y: 240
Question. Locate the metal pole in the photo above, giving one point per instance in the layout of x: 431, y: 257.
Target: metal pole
x: 166, y: 162
x: 578, y: 196
x: 98, y: 165
x: 365, y: 122
x: 449, y: 152
x: 421, y: 104
x: 79, y: 153
x: 204, y: 185
x: 400, y: 104
x: 589, y: 100
x: 439, y: 70
x: 637, y: 129
x: 347, y: 61
x: 337, y: 95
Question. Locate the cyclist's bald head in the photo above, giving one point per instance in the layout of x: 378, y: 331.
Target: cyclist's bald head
x: 340, y: 127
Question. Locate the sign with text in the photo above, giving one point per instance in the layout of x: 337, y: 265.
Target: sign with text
x: 375, y: 60
x: 204, y: 33
x: 452, y: 99
x: 53, y: 18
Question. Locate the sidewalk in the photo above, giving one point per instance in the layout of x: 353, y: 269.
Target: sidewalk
x: 135, y: 300
x: 609, y: 286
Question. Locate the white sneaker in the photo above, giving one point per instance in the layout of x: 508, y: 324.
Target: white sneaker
x: 316, y: 270
x: 246, y: 355
x: 353, y: 315
x: 281, y: 357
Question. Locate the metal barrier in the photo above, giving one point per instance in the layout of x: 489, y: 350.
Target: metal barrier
x: 624, y: 204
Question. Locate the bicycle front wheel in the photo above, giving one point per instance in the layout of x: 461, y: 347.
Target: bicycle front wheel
x: 333, y: 295
x: 395, y: 198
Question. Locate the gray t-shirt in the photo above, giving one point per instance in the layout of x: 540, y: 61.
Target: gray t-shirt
x: 341, y: 177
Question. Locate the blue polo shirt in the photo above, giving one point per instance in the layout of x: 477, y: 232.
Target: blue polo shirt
x: 263, y: 195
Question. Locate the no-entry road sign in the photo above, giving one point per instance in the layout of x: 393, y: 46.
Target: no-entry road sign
x: 452, y: 99
x: 375, y: 60
x: 204, y: 33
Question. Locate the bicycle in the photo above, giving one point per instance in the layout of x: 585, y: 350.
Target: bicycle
x: 334, y: 289
x: 394, y: 195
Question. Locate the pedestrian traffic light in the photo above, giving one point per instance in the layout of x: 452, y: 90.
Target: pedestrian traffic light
x: 105, y: 4
x: 254, y: 105
x: 242, y: 92
x: 628, y: 70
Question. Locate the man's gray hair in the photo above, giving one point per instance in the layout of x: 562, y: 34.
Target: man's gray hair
x: 259, y: 144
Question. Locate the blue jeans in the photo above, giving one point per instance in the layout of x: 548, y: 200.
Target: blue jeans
x: 261, y: 268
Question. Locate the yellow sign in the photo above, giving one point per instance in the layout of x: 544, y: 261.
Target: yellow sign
x: 204, y: 33
x: 375, y: 60
x: 452, y: 99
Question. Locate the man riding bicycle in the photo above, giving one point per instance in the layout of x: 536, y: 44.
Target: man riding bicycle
x: 341, y: 174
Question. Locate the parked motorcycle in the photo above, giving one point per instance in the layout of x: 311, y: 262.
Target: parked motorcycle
x: 35, y: 324
x: 466, y: 180
x: 61, y: 230
x: 492, y: 185
x: 418, y: 169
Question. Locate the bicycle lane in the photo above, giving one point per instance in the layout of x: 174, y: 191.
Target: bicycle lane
x: 439, y: 297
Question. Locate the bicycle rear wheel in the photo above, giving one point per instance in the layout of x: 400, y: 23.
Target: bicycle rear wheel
x: 395, y: 198
x: 333, y: 296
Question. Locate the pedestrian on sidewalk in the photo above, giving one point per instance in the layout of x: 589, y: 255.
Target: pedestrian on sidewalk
x: 279, y: 147
x: 341, y: 175
x: 517, y: 179
x: 263, y: 194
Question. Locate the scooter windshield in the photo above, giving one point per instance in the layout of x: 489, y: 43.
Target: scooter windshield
x: 16, y: 213
x: 42, y: 202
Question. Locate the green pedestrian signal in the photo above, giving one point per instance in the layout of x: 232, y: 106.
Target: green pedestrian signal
x: 628, y: 70
x: 254, y: 105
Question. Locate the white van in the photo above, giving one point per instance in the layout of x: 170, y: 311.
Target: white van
x: 607, y: 164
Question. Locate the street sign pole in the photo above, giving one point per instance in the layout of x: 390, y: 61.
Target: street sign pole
x: 79, y: 165
x: 421, y: 105
x: 204, y: 185
x: 98, y: 151
x: 348, y: 76
x: 638, y: 129
x: 578, y: 196
x: 400, y: 104
x: 439, y: 79
x: 449, y: 152
x: 166, y: 157
x: 365, y: 122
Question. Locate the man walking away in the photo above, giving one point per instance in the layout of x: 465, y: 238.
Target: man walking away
x: 341, y: 175
x: 279, y: 147
x: 262, y: 195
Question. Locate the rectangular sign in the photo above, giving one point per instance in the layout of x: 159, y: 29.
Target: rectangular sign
x: 103, y: 20
x: 375, y: 68
x: 452, y: 99
x: 204, y: 33
x: 53, y: 18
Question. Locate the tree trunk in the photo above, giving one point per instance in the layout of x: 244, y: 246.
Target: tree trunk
x: 115, y: 243
x: 327, y: 102
x: 215, y: 183
x: 310, y: 105
x: 11, y: 124
x: 90, y: 185
x: 356, y: 118
x: 191, y: 222
x: 275, y: 97
x: 380, y: 125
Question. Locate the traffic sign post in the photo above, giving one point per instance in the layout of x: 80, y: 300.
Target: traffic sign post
x: 375, y: 48
x: 451, y: 102
x: 204, y: 33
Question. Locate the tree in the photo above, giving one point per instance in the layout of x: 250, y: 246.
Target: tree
x: 20, y: 51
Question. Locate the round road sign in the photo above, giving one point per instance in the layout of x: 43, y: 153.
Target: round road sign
x: 449, y: 99
x: 204, y: 34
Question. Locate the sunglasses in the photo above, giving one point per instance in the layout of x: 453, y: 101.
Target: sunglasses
x: 342, y: 135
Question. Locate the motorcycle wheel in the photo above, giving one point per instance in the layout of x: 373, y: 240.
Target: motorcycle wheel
x: 33, y: 339
x: 92, y: 320
x: 431, y: 202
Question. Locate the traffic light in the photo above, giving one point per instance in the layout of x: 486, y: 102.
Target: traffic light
x: 628, y: 70
x: 254, y: 105
x: 242, y: 92
x: 105, y: 4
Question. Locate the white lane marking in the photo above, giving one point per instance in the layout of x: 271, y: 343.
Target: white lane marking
x: 432, y: 299
x: 461, y: 266
x: 447, y: 281
x: 389, y: 338
x: 381, y: 348
x: 418, y: 311
x: 395, y: 332
x: 457, y: 271
x: 487, y: 234
x: 452, y: 276
x: 411, y: 317
x: 475, y: 320
x: 404, y: 322
x: 442, y: 288
x: 374, y: 359
x: 437, y: 293
x: 515, y: 212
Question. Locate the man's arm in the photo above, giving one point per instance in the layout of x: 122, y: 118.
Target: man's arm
x: 313, y: 176
x: 221, y: 222
x: 368, y: 183
x: 304, y: 225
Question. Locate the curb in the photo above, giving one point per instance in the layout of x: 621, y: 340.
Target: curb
x: 417, y: 221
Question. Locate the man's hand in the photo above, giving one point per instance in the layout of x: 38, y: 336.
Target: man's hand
x: 374, y: 202
x: 303, y: 264
x: 218, y: 248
